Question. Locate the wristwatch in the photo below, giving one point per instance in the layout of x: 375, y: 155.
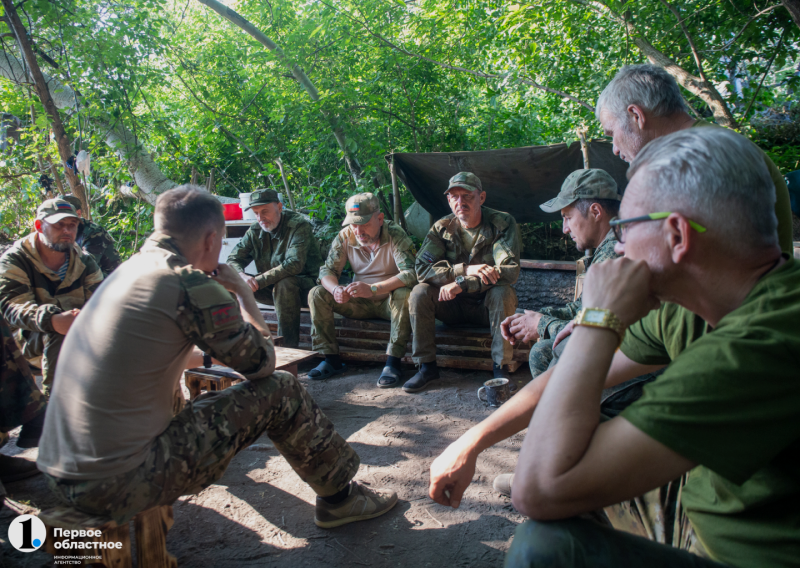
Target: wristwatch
x: 462, y: 283
x: 374, y: 289
x: 602, y: 318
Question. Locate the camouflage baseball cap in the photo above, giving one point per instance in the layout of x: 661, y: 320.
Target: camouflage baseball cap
x: 583, y: 184
x: 467, y: 180
x: 262, y: 197
x: 73, y: 200
x: 53, y: 210
x: 360, y: 209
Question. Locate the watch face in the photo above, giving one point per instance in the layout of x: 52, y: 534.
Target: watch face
x: 594, y: 316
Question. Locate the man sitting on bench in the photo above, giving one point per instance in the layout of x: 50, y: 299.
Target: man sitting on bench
x: 698, y: 227
x: 111, y: 446
x: 380, y: 254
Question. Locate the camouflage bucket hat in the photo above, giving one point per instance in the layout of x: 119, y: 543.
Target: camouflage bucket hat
x: 54, y: 210
x: 262, y: 197
x: 583, y: 184
x: 467, y: 180
x: 74, y: 201
x: 360, y: 209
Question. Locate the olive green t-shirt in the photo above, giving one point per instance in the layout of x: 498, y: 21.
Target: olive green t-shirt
x: 730, y: 402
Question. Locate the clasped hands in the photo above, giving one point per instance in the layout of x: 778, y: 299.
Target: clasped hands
x: 488, y: 275
x: 342, y: 294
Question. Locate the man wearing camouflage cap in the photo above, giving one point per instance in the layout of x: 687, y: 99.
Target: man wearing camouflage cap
x: 380, y: 254
x: 466, y: 268
x: 95, y: 240
x: 286, y: 253
x: 45, y: 280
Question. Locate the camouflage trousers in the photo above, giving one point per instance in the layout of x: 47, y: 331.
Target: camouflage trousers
x: 580, y: 542
x: 613, y: 400
x: 394, y: 308
x: 484, y: 309
x: 198, y: 445
x: 20, y: 398
x: 47, y: 345
x: 288, y: 296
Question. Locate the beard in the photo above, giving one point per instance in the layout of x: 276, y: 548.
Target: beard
x: 57, y: 247
x: 367, y: 241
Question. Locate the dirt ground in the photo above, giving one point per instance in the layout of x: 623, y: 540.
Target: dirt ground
x: 261, y: 514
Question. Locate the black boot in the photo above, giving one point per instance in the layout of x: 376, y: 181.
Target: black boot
x: 427, y: 372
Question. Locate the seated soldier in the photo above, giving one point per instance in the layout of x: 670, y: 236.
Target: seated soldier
x: 21, y: 403
x: 381, y: 257
x: 45, y: 280
x: 95, y: 240
x: 727, y: 409
x: 111, y: 445
x: 466, y: 268
x: 588, y: 201
x: 286, y: 253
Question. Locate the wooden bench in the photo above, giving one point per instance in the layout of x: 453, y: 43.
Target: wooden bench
x: 217, y: 377
x: 150, y: 528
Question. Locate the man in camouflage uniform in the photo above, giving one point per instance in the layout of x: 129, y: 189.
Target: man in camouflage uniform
x: 45, y: 280
x: 287, y: 258
x: 21, y: 403
x: 466, y: 268
x: 381, y: 256
x: 588, y: 201
x: 111, y: 445
x: 95, y: 240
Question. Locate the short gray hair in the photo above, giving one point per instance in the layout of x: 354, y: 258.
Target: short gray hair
x: 648, y: 86
x: 715, y: 177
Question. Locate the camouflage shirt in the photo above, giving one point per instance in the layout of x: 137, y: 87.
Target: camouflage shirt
x: 443, y: 257
x: 555, y: 319
x: 20, y: 398
x: 31, y: 293
x: 292, y: 250
x: 96, y: 241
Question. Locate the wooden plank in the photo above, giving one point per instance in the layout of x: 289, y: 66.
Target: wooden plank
x: 549, y: 264
x: 448, y: 362
x: 151, y: 528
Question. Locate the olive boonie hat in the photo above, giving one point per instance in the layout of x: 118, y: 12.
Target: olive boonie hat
x: 53, y: 210
x: 360, y: 209
x: 583, y: 184
x: 262, y: 197
x: 467, y: 180
x: 73, y: 200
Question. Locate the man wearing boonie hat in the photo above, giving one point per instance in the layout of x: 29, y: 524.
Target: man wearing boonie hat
x: 95, y: 240
x: 380, y: 255
x: 45, y: 279
x: 283, y: 246
x: 466, y: 268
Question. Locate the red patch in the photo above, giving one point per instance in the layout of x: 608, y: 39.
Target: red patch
x: 223, y: 316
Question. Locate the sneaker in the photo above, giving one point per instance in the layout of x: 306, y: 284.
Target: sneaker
x: 419, y: 381
x: 14, y: 469
x: 363, y: 503
x: 502, y: 483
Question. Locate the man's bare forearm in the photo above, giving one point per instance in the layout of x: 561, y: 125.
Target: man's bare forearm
x: 329, y: 282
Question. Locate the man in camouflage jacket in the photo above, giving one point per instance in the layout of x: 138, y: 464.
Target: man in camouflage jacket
x: 21, y: 403
x: 466, y: 268
x: 287, y: 258
x: 381, y: 256
x: 95, y: 240
x: 111, y: 444
x: 45, y: 280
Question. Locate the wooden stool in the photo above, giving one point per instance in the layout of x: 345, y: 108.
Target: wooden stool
x: 150, y: 527
x: 217, y: 377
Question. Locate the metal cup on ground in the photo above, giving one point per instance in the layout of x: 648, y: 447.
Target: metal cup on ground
x: 497, y: 392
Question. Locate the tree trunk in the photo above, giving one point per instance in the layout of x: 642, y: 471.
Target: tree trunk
x: 148, y: 177
x: 338, y: 132
x: 793, y: 7
x: 62, y: 140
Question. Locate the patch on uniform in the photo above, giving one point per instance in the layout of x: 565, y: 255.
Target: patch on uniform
x: 354, y: 208
x: 428, y: 257
x: 223, y: 315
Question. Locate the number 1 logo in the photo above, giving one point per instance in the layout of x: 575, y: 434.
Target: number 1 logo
x: 27, y: 533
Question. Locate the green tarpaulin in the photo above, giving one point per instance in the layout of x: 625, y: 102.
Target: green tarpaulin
x: 516, y: 180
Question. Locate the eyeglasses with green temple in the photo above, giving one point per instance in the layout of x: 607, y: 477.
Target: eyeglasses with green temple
x: 618, y: 225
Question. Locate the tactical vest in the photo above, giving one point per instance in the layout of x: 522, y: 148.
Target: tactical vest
x: 582, y: 266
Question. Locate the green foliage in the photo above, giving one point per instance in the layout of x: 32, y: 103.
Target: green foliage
x: 197, y: 92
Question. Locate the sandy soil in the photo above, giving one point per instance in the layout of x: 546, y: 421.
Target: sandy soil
x: 261, y: 514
